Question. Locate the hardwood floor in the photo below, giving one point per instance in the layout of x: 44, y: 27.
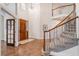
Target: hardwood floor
x: 32, y: 48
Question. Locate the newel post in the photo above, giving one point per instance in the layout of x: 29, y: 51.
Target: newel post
x: 44, y: 38
x: 44, y: 42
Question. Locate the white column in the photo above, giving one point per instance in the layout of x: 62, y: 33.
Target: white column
x: 17, y: 28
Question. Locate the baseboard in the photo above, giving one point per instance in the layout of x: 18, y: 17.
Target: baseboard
x: 36, y: 38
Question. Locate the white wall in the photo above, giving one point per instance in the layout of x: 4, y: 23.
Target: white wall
x: 39, y: 15
x: 11, y: 6
x: 45, y: 14
x: 5, y: 17
x: 64, y: 10
x: 23, y: 10
x: 34, y: 22
x: 1, y: 25
x: 1, y: 29
x: 77, y: 20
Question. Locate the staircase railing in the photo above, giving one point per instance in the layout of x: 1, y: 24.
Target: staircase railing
x: 60, y: 9
x: 52, y: 36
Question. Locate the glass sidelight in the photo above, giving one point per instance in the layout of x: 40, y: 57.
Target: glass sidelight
x: 10, y: 33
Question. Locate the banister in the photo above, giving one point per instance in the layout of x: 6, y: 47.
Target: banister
x: 63, y: 6
x: 44, y: 42
x: 62, y: 20
x: 65, y: 17
x: 62, y: 24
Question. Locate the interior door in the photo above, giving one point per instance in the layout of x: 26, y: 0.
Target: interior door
x: 23, y: 31
x: 10, y: 32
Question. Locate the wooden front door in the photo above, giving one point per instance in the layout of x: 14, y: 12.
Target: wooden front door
x: 23, y: 31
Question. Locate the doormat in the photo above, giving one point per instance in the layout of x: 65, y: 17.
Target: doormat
x: 26, y: 41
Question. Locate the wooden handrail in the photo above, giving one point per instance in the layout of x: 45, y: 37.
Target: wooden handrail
x: 63, y: 6
x: 62, y: 24
x: 63, y: 19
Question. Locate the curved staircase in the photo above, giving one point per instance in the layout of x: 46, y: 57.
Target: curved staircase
x: 63, y: 36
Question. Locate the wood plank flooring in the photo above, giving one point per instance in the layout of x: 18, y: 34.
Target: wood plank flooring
x: 32, y: 48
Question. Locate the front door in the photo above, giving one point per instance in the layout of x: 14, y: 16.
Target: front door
x: 23, y: 30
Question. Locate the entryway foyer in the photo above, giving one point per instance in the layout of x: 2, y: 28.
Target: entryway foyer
x: 39, y: 29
